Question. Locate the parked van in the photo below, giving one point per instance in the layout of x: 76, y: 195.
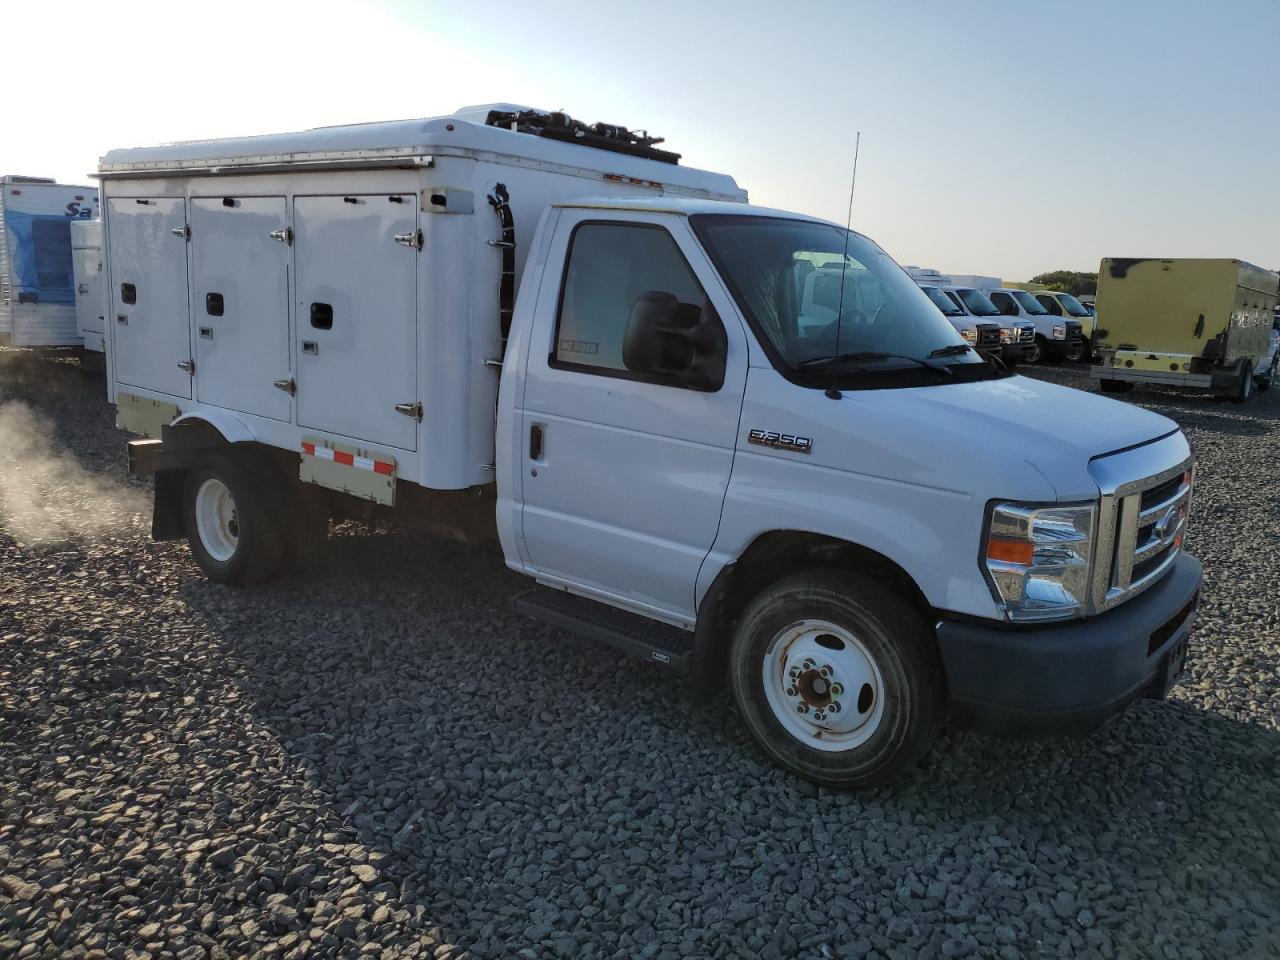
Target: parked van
x: 1065, y: 305
x: 1056, y: 338
x: 981, y: 335
x: 736, y: 441
x: 1017, y: 337
x: 1190, y: 322
x: 37, y: 292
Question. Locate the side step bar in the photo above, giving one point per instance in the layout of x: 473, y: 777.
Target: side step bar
x: 628, y: 632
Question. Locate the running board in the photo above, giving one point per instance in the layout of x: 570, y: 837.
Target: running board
x: 628, y: 632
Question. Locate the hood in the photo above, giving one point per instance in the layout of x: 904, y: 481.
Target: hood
x: 1032, y: 414
x: 1016, y: 438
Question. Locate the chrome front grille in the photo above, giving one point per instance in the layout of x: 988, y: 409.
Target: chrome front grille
x: 1141, y: 524
x: 1028, y: 335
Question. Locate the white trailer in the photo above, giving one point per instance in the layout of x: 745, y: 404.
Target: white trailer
x: 37, y: 290
x: 739, y: 442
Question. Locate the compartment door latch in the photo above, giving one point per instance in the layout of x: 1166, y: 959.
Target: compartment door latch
x: 410, y: 410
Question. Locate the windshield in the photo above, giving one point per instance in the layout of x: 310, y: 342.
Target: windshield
x: 1029, y: 303
x: 1072, y: 305
x: 942, y: 302
x: 979, y: 303
x: 787, y: 278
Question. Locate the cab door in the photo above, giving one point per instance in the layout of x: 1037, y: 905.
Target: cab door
x: 356, y: 307
x: 624, y: 474
x: 149, y: 319
x: 240, y: 286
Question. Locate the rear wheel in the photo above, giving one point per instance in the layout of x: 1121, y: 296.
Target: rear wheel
x: 1244, y: 390
x: 235, y: 533
x: 1115, y: 386
x: 836, y: 679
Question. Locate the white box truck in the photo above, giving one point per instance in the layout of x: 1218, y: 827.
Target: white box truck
x: 37, y: 290
x: 704, y: 442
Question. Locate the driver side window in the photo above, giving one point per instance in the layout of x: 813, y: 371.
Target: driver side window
x: 610, y: 265
x: 1051, y: 304
x: 1004, y: 303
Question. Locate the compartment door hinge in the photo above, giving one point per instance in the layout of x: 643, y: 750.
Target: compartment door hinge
x: 410, y: 410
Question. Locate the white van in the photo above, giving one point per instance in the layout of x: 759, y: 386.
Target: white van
x: 1056, y: 338
x: 981, y: 335
x: 1017, y: 337
x: 736, y: 441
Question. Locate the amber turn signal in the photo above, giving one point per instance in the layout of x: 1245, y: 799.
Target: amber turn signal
x: 1009, y: 550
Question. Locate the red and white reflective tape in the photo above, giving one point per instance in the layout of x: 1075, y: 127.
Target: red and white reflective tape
x: 348, y: 459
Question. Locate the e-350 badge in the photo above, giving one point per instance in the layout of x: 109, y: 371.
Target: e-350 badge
x: 780, y: 441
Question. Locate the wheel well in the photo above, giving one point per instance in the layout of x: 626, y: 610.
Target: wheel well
x: 770, y: 557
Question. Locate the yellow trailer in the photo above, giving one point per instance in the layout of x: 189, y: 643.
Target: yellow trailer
x: 1191, y: 323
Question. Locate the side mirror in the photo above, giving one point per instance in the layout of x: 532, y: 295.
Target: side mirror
x: 676, y: 341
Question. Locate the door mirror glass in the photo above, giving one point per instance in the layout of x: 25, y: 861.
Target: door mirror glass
x: 681, y: 341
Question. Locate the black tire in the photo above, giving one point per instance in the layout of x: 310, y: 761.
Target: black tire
x: 1037, y: 352
x: 900, y: 644
x: 1244, y: 390
x: 260, y: 537
x: 1115, y: 386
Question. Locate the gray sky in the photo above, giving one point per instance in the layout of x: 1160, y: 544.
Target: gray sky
x: 1003, y: 138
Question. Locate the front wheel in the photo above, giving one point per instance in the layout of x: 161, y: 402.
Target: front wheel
x: 1036, y: 352
x: 837, y: 679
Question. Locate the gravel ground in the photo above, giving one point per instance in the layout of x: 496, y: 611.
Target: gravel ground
x: 380, y: 759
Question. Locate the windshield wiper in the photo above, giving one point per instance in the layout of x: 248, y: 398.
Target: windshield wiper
x: 818, y: 363
x: 951, y: 350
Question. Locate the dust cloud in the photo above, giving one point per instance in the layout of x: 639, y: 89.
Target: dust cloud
x: 46, y: 496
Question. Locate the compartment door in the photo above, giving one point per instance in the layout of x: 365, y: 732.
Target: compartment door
x: 151, y: 330
x: 356, y: 259
x: 240, y: 302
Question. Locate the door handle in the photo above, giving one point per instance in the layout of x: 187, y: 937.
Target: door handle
x: 535, y: 442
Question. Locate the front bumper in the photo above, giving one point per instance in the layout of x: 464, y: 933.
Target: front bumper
x: 1017, y: 352
x: 1071, y: 676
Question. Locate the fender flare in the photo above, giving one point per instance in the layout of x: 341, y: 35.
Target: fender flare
x: 228, y: 424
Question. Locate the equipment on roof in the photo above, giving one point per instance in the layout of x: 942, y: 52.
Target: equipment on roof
x: 561, y: 126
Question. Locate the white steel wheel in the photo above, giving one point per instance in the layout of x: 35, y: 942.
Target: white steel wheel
x: 823, y: 685
x: 216, y: 520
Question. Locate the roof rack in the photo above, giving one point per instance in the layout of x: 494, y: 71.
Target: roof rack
x: 602, y: 136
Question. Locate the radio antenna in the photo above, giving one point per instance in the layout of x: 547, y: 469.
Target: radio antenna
x: 844, y: 260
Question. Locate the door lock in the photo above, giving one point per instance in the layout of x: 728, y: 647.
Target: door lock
x: 287, y: 385
x: 284, y: 235
x: 189, y: 366
x: 410, y: 410
x: 410, y: 239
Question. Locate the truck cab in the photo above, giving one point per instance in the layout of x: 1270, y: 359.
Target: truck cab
x: 1056, y: 338
x: 739, y: 442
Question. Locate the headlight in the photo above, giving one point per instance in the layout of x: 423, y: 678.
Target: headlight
x: 1059, y: 331
x: 1008, y: 334
x: 1038, y: 559
x: 970, y: 335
